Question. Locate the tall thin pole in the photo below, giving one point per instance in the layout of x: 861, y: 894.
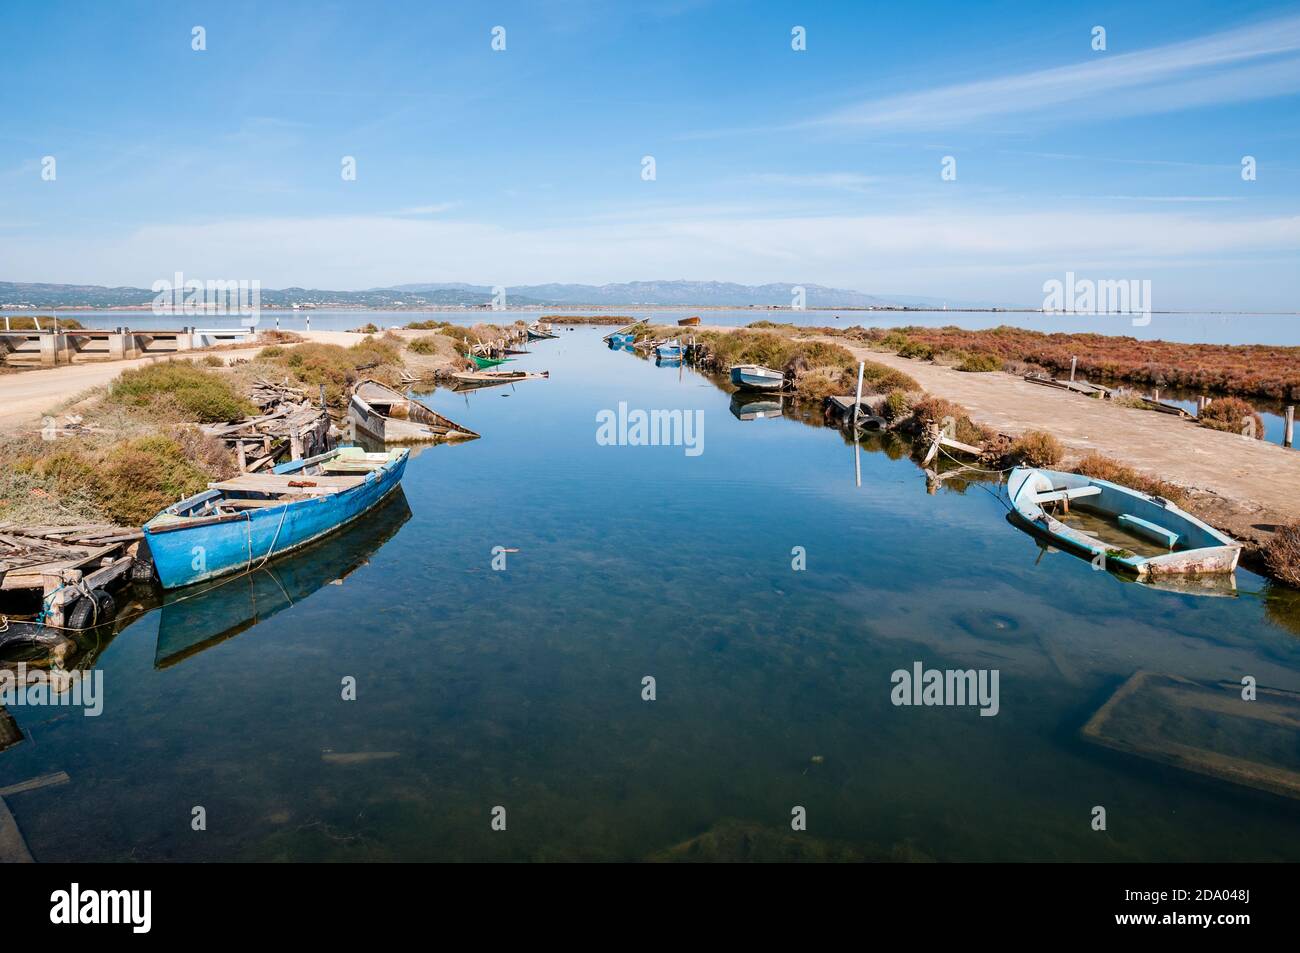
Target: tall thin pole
x: 857, y: 403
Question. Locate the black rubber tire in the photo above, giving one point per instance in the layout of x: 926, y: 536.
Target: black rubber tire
x: 88, y: 612
x: 142, y: 570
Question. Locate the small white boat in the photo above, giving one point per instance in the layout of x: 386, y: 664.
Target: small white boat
x: 756, y: 377
x: 1183, y: 544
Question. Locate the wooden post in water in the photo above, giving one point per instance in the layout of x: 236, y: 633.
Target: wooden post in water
x: 857, y: 402
x: 1074, y: 362
x: 1288, y: 433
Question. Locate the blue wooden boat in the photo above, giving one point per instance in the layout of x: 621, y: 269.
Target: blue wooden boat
x: 1179, y: 542
x: 620, y: 340
x: 669, y: 350
x: 238, y: 524
x: 756, y: 377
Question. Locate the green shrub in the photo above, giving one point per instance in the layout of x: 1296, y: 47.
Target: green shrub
x: 424, y: 345
x: 980, y: 363
x: 916, y: 350
x: 199, y: 394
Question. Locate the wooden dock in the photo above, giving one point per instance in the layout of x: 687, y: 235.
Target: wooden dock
x: 1077, y: 387
x: 65, y: 562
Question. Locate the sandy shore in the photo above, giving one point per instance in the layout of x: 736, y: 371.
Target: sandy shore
x: 1246, y: 487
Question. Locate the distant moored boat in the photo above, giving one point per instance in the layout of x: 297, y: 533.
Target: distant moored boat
x: 669, y: 350
x: 756, y: 377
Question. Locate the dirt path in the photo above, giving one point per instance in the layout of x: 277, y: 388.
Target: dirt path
x: 27, y: 395
x: 1245, y: 486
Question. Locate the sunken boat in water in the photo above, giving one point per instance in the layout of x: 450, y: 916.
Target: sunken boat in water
x: 1122, y: 523
x: 378, y: 411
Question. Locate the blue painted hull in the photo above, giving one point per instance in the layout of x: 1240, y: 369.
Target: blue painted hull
x: 196, y: 553
x: 669, y: 353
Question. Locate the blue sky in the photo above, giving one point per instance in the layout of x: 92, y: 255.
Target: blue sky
x: 525, y: 165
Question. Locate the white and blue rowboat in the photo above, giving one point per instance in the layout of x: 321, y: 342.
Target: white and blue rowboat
x: 1193, y: 548
x: 240, y: 523
x: 756, y: 377
x: 669, y: 350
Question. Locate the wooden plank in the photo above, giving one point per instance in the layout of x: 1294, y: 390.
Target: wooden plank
x: 33, y: 784
x: 102, y: 577
x: 958, y: 445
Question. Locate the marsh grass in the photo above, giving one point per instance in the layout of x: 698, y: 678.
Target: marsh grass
x: 106, y: 476
x: 1108, y: 468
x: 819, y: 369
x: 1247, y: 370
x: 1035, y: 448
x: 313, y: 364
x: 199, y: 394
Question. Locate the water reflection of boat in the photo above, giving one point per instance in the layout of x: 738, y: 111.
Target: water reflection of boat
x: 755, y: 406
x: 389, y: 416
x: 193, y: 622
x: 1177, y: 542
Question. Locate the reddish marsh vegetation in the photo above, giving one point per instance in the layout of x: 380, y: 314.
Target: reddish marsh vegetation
x: 1253, y: 370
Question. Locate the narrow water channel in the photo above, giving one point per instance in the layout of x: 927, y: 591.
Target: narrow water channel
x: 522, y: 687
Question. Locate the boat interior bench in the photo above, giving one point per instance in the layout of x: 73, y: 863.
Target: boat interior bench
x: 1055, y: 495
x: 1148, y: 529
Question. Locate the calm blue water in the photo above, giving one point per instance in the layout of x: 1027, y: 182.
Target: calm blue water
x: 522, y: 688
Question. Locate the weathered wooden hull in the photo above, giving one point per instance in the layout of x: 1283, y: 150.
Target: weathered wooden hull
x: 1203, y: 549
x: 185, y: 553
x: 386, y: 415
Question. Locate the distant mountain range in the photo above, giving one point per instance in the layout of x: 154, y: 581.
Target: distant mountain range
x: 452, y: 294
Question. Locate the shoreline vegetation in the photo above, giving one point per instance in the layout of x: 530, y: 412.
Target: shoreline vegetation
x: 141, y: 447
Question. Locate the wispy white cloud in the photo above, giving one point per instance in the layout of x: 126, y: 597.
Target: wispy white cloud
x: 427, y: 209
x: 1250, y: 62
x: 925, y: 252
x: 846, y: 181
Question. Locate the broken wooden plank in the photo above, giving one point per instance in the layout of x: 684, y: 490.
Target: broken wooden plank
x: 102, y: 577
x: 33, y: 784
